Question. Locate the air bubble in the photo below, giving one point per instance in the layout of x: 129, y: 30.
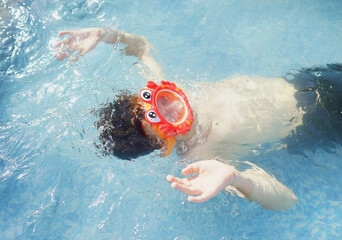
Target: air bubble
x: 255, y: 152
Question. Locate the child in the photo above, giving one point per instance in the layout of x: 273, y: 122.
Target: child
x: 230, y: 117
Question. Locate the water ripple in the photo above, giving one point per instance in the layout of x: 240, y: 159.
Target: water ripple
x: 53, y: 181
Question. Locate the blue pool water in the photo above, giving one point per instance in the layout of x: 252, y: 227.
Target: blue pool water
x: 55, y: 184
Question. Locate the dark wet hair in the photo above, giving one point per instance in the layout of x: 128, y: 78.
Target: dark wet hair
x: 120, y: 128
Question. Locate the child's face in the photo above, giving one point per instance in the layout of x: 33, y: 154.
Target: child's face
x: 149, y: 129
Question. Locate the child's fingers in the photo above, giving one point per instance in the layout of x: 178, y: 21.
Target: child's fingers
x: 74, y: 57
x: 171, y: 179
x: 65, y: 32
x: 61, y: 56
x: 61, y: 42
x: 199, y: 199
x: 185, y: 189
x: 191, y: 168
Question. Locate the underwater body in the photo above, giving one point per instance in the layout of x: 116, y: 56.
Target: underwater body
x: 56, y: 184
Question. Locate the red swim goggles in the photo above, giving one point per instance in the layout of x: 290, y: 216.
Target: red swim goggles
x: 168, y: 110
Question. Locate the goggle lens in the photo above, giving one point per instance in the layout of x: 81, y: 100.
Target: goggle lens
x: 171, y: 106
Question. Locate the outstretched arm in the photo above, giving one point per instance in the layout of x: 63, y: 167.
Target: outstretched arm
x: 84, y: 40
x: 213, y: 176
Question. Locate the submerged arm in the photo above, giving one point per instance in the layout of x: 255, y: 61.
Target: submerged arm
x: 84, y: 40
x: 213, y: 176
x: 258, y: 186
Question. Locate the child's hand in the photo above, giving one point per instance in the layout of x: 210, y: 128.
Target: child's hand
x: 212, y: 177
x: 80, y: 42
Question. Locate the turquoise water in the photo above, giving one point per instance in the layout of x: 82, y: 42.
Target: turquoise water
x: 55, y: 184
